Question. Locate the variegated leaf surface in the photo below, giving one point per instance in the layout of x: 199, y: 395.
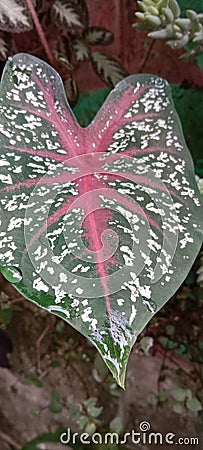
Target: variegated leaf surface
x: 99, y: 36
x: 15, y: 16
x: 100, y: 225
x: 81, y: 49
x: 109, y: 70
x: 70, y: 13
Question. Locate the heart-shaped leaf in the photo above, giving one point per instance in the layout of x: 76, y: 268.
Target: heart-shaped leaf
x: 99, y: 225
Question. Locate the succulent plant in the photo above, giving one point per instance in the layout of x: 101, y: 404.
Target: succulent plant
x: 162, y: 19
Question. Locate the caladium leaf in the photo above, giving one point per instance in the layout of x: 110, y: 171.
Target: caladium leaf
x: 99, y: 36
x: 70, y: 14
x: 99, y: 225
x: 14, y: 16
x: 109, y: 70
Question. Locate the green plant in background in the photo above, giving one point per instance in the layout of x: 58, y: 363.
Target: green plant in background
x: 179, y: 332
x: 74, y: 39
x: 162, y: 19
x: 185, y: 402
x: 85, y: 414
x: 182, y: 400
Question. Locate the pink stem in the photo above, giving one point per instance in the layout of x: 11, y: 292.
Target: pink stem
x: 40, y: 32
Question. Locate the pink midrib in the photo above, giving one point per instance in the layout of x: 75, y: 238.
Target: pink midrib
x: 93, y: 227
x: 100, y: 267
